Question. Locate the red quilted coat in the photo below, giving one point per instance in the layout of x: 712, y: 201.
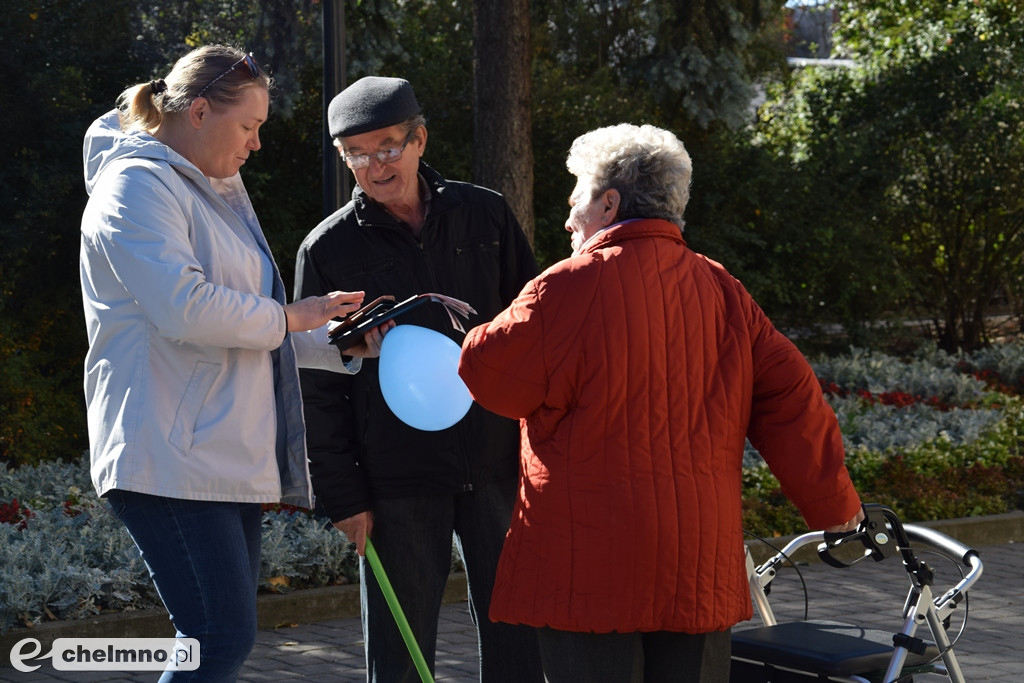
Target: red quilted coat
x: 639, y: 367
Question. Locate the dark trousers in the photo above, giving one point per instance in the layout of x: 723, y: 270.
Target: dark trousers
x: 413, y: 537
x: 658, y: 657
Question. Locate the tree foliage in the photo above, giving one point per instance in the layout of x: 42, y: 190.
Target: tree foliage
x: 51, y: 49
x: 824, y: 261
x: 687, y: 67
x: 890, y: 189
x: 695, y: 58
x: 919, y: 155
x: 950, y: 92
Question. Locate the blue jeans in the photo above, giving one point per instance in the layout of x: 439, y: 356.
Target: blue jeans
x: 655, y: 657
x: 204, y: 558
x: 413, y: 537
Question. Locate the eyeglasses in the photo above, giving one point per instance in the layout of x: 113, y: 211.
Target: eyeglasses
x: 248, y: 60
x: 386, y: 156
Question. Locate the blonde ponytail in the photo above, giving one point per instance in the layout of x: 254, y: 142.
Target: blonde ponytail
x: 139, y: 108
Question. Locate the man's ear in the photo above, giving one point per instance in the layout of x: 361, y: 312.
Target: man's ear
x: 421, y: 134
x: 610, y: 200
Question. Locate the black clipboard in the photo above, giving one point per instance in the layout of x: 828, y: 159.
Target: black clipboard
x: 350, y: 331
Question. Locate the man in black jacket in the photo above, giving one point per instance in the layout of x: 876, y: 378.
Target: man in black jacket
x: 408, y: 231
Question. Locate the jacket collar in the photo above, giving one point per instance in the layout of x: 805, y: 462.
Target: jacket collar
x: 634, y: 229
x: 106, y: 143
x: 443, y: 196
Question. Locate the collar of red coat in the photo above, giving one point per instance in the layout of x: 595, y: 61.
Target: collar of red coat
x: 634, y: 228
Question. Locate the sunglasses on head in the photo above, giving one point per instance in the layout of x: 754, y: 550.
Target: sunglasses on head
x: 248, y: 60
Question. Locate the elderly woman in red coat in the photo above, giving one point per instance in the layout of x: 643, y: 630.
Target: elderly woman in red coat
x: 638, y: 368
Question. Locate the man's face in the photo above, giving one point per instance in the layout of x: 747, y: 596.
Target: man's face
x: 585, y: 213
x: 392, y: 183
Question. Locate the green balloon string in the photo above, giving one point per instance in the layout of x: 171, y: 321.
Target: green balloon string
x: 398, y: 614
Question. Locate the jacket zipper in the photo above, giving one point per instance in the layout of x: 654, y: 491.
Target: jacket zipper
x: 463, y: 456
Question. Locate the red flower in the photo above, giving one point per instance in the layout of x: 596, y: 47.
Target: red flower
x: 284, y: 507
x: 15, y: 513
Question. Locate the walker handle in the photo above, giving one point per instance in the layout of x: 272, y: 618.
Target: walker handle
x: 940, y: 541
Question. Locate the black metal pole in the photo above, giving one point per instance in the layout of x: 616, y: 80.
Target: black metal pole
x: 336, y: 180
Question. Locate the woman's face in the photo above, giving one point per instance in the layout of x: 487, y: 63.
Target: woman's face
x: 585, y: 213
x: 229, y: 133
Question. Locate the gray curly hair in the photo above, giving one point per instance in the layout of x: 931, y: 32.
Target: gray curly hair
x: 648, y: 166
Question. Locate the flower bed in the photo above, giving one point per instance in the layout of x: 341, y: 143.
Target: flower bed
x: 934, y: 437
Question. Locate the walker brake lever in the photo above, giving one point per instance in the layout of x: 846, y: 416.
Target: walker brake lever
x: 834, y: 540
x: 872, y: 533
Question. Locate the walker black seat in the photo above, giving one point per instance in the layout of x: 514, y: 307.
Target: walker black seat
x: 829, y: 648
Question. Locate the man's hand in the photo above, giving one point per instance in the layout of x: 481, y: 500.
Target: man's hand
x: 357, y: 528
x: 370, y: 345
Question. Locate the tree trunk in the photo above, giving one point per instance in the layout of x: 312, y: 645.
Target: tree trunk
x: 502, y: 141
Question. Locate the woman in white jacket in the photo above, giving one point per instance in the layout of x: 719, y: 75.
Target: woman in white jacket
x: 191, y: 379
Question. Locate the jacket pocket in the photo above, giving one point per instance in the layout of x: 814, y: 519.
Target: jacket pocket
x: 191, y: 404
x: 477, y: 248
x: 366, y: 269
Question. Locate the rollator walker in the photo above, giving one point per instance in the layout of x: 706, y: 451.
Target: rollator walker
x: 818, y: 650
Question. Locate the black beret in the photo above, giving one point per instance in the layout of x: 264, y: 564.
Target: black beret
x: 371, y: 103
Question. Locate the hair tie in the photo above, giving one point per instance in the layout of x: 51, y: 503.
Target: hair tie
x: 158, y: 86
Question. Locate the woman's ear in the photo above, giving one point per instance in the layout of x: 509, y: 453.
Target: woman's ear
x: 198, y: 110
x: 610, y: 200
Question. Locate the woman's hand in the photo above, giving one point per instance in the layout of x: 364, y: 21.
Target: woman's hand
x: 369, y: 347
x: 851, y: 525
x: 315, y: 311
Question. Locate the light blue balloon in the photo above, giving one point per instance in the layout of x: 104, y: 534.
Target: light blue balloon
x: 419, y: 377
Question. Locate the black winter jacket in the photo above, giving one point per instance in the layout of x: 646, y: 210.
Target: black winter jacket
x: 471, y: 248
